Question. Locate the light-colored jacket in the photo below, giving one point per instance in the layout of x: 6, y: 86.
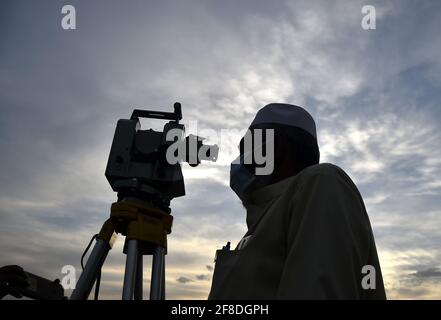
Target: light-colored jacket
x: 308, y: 237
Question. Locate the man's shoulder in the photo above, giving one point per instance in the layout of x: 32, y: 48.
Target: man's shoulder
x: 327, y: 169
x: 323, y: 177
x: 327, y: 180
x: 327, y: 173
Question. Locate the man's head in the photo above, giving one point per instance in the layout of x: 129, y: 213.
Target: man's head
x: 294, y: 147
x: 294, y: 150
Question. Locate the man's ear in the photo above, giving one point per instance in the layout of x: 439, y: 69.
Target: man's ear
x: 280, y: 160
x: 280, y: 154
x: 280, y: 148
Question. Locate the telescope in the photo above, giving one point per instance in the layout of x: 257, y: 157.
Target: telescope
x: 147, y: 162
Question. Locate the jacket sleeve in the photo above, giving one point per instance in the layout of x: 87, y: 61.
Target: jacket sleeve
x: 327, y: 240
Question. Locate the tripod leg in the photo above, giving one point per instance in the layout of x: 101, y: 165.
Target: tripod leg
x: 157, y: 274
x: 163, y: 281
x: 130, y: 272
x: 93, y: 265
x: 138, y: 280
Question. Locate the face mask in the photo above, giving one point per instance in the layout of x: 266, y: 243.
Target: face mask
x: 243, y: 181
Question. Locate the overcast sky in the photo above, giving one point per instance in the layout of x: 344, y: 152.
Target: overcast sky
x: 375, y: 96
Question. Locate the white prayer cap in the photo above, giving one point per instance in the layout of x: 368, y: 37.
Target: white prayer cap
x: 286, y: 114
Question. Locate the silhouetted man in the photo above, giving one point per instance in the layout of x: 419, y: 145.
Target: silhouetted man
x: 309, y: 236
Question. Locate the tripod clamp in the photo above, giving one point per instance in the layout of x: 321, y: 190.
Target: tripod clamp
x: 142, y: 222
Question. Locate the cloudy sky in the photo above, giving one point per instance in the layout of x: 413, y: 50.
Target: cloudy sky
x: 375, y: 96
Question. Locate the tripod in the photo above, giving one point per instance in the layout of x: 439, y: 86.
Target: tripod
x: 146, y: 227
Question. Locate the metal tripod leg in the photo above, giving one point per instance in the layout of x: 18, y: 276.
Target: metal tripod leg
x: 130, y: 272
x: 93, y: 265
x: 158, y: 274
x: 163, y: 281
x: 138, y: 280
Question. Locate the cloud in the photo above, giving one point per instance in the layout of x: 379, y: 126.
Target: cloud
x: 428, y: 273
x: 183, y: 280
x: 203, y: 277
x: 375, y: 97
